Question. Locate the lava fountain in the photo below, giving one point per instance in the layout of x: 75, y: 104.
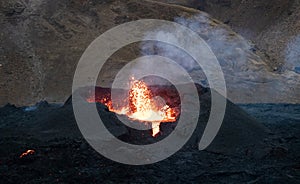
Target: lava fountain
x: 143, y: 106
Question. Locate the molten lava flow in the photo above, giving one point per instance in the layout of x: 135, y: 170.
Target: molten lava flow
x: 143, y: 106
x: 28, y: 152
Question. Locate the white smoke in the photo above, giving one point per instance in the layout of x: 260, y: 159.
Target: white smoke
x: 292, y: 55
x: 229, y: 47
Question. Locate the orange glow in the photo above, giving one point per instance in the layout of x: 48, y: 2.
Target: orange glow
x: 28, y: 152
x: 143, y: 106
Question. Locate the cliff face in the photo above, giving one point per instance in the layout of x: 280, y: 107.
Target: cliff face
x: 42, y: 41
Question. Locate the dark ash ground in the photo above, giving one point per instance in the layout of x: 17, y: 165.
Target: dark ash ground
x: 65, y: 157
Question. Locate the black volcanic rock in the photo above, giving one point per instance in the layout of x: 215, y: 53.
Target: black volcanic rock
x: 238, y: 132
x: 243, y: 151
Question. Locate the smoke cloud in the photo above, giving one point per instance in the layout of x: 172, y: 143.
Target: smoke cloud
x: 292, y: 52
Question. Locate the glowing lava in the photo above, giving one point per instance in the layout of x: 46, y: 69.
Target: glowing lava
x: 143, y: 106
x: 28, y: 152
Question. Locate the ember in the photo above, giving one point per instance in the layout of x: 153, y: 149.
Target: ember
x: 143, y: 106
x: 28, y: 152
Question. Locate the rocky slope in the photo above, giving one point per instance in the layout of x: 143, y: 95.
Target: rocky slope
x: 272, y: 25
x: 42, y: 41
